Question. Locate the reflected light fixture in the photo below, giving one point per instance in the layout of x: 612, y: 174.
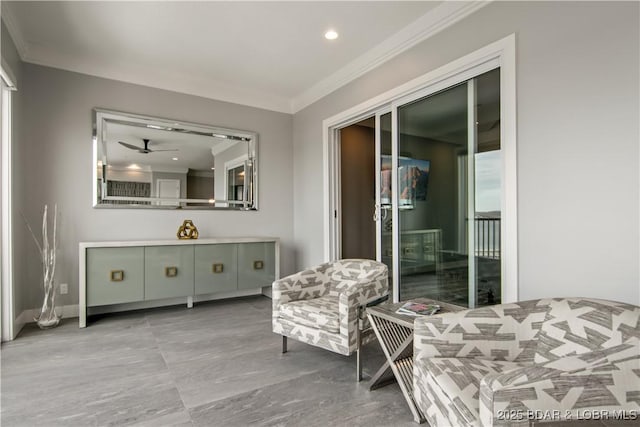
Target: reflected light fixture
x: 134, y: 166
x: 331, y: 35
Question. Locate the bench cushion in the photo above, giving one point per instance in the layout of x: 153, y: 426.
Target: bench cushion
x: 575, y: 326
x: 456, y: 381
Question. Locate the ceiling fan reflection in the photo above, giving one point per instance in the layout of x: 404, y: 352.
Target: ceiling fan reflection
x: 145, y: 150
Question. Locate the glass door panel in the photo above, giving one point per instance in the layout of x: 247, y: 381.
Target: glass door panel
x: 488, y: 189
x: 432, y: 147
x: 449, y: 181
x: 385, y: 220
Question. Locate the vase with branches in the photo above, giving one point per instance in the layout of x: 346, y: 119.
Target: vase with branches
x: 48, y: 318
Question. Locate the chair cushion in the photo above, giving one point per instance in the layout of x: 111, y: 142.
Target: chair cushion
x: 459, y: 379
x: 319, y: 313
x: 577, y: 326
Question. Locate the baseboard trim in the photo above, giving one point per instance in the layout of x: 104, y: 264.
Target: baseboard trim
x: 267, y: 291
x: 27, y: 316
x: 71, y: 311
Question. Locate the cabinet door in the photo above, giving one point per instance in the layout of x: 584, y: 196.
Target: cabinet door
x: 216, y: 268
x: 256, y: 265
x: 114, y: 275
x: 168, y: 271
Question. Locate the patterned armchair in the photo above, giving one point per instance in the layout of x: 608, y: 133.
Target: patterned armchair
x: 509, y: 364
x: 322, y: 306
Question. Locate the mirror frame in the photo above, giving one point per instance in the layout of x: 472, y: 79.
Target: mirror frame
x: 99, y: 166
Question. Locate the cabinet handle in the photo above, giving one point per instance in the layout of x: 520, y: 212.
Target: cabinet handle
x: 117, y: 275
x: 258, y: 265
x: 171, y: 271
x: 217, y: 268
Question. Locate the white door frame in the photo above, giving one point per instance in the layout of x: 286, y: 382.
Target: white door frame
x: 379, y: 212
x: 7, y: 317
x: 232, y: 164
x: 502, y: 54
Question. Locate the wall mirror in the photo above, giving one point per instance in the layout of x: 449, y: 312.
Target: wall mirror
x: 147, y: 162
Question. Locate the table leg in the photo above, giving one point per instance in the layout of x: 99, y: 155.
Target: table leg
x: 397, y: 344
x: 383, y: 377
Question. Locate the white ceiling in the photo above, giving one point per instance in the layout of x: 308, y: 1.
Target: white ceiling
x: 265, y: 54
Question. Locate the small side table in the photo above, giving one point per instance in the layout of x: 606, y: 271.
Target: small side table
x: 395, y: 334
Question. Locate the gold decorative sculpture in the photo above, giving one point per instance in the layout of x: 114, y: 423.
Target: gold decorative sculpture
x: 187, y: 230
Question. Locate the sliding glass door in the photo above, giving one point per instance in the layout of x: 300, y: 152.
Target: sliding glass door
x: 383, y: 212
x: 447, y: 161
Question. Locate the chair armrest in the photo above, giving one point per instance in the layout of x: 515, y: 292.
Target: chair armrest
x: 307, y: 284
x: 358, y: 293
x: 500, y: 332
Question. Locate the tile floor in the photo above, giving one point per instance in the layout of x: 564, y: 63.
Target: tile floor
x: 217, y: 364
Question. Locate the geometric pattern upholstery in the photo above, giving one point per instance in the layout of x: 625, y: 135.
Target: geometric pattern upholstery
x: 566, y: 354
x: 319, y: 306
x: 456, y: 381
x: 321, y: 313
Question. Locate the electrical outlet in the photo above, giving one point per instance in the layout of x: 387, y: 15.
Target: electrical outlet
x: 64, y: 288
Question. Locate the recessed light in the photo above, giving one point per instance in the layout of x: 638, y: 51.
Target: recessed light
x: 213, y: 168
x: 174, y: 158
x: 331, y: 35
x: 134, y: 166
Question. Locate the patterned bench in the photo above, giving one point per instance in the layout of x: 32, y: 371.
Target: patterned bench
x: 509, y: 364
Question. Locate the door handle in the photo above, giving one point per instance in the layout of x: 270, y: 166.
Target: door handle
x: 376, y: 212
x: 380, y: 212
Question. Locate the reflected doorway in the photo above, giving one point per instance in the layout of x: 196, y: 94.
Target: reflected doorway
x: 357, y: 190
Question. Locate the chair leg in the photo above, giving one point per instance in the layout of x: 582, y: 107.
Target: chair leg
x: 358, y: 365
x: 358, y: 355
x: 284, y: 344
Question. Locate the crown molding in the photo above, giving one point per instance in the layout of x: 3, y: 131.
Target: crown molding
x: 14, y: 31
x: 434, y: 21
x: 189, y: 84
x: 431, y: 23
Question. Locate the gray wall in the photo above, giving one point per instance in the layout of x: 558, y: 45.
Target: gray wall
x: 56, y: 168
x: 200, y: 186
x: 578, y: 133
x: 10, y: 53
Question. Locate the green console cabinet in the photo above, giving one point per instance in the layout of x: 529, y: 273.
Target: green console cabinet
x: 114, y: 275
x: 216, y: 268
x: 256, y: 265
x: 117, y: 276
x: 168, y: 272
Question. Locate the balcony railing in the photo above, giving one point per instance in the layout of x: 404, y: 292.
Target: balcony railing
x: 487, y: 232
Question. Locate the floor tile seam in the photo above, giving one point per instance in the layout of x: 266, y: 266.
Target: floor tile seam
x: 253, y: 390
x: 173, y: 374
x: 168, y: 368
x: 155, y: 329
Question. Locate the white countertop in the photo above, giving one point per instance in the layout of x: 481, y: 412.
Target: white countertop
x: 176, y: 241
